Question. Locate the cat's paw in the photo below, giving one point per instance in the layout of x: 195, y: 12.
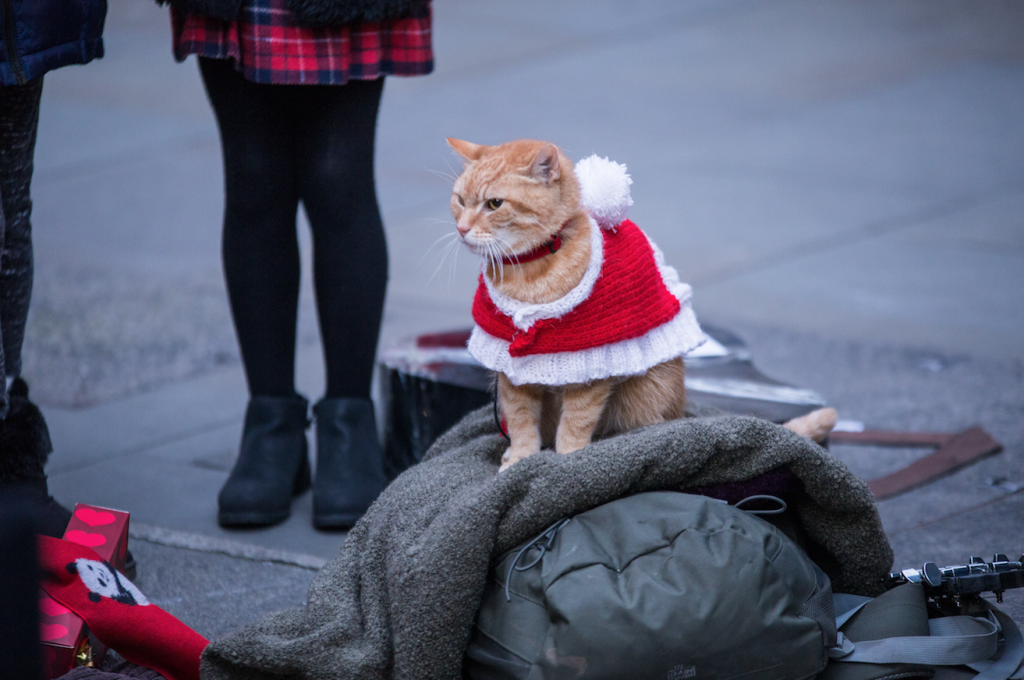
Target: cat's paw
x: 513, y: 456
x: 816, y: 425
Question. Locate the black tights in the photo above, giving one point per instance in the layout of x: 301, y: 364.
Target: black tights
x: 312, y: 143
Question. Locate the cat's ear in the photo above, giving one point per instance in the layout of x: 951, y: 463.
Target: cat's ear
x: 467, y: 150
x: 545, y: 164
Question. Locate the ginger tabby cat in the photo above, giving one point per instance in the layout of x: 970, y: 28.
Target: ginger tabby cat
x: 577, y: 313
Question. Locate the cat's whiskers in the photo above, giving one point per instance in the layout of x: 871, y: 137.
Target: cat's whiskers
x: 450, y: 234
x: 451, y: 270
x: 455, y: 175
x: 452, y: 246
x: 451, y: 175
x: 443, y: 175
x: 506, y: 255
x: 499, y: 259
x: 435, y: 220
x: 491, y: 260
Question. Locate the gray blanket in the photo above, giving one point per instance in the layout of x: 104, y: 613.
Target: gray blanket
x: 400, y: 598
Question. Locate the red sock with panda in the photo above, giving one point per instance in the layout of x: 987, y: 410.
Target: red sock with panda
x: 117, y: 612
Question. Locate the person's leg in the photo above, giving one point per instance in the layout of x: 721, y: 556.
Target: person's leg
x: 5, y: 383
x: 336, y: 127
x: 350, y: 260
x: 260, y: 248
x: 261, y: 269
x: 24, y: 438
x: 19, y: 119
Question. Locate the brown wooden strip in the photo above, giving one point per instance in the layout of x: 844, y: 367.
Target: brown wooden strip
x: 961, y: 450
x: 891, y: 438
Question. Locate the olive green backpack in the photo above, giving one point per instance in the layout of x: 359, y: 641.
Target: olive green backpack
x: 674, y: 586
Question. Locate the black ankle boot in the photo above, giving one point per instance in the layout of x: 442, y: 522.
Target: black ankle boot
x: 24, y: 448
x: 349, y: 462
x: 272, y: 465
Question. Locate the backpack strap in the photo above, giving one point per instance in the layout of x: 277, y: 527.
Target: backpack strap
x: 1009, y: 664
x: 952, y: 641
x: 847, y: 605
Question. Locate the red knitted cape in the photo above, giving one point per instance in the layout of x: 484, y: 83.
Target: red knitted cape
x: 628, y: 300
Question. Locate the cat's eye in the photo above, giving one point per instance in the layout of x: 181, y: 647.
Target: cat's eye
x: 459, y: 199
x: 494, y: 203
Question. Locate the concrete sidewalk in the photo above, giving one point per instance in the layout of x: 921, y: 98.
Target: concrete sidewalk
x: 842, y: 183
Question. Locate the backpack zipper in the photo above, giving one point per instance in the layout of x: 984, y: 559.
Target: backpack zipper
x: 11, y: 41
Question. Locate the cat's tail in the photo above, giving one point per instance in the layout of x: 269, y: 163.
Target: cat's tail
x: 817, y: 424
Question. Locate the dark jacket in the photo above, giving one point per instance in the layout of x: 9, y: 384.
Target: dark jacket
x: 37, y: 36
x: 308, y: 12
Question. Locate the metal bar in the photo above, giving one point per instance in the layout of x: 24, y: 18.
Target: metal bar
x: 961, y: 450
x: 892, y: 438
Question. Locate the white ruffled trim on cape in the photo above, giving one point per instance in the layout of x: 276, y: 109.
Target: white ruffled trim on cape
x: 621, y: 359
x: 525, y: 314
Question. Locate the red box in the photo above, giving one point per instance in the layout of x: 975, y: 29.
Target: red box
x: 67, y: 641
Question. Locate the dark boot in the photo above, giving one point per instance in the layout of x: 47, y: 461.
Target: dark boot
x: 272, y: 465
x: 349, y: 462
x: 24, y: 449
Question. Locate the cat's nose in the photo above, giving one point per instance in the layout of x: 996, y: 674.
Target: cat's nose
x: 463, y: 229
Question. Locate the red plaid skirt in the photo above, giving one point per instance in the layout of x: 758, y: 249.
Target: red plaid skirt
x: 268, y: 48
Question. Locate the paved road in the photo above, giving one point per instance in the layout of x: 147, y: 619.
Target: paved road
x: 842, y: 183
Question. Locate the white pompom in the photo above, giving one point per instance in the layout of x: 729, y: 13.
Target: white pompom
x: 604, y: 185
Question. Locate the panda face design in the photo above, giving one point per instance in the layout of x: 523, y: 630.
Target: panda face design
x: 102, y: 580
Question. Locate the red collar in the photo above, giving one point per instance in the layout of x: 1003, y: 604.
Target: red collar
x: 546, y: 248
